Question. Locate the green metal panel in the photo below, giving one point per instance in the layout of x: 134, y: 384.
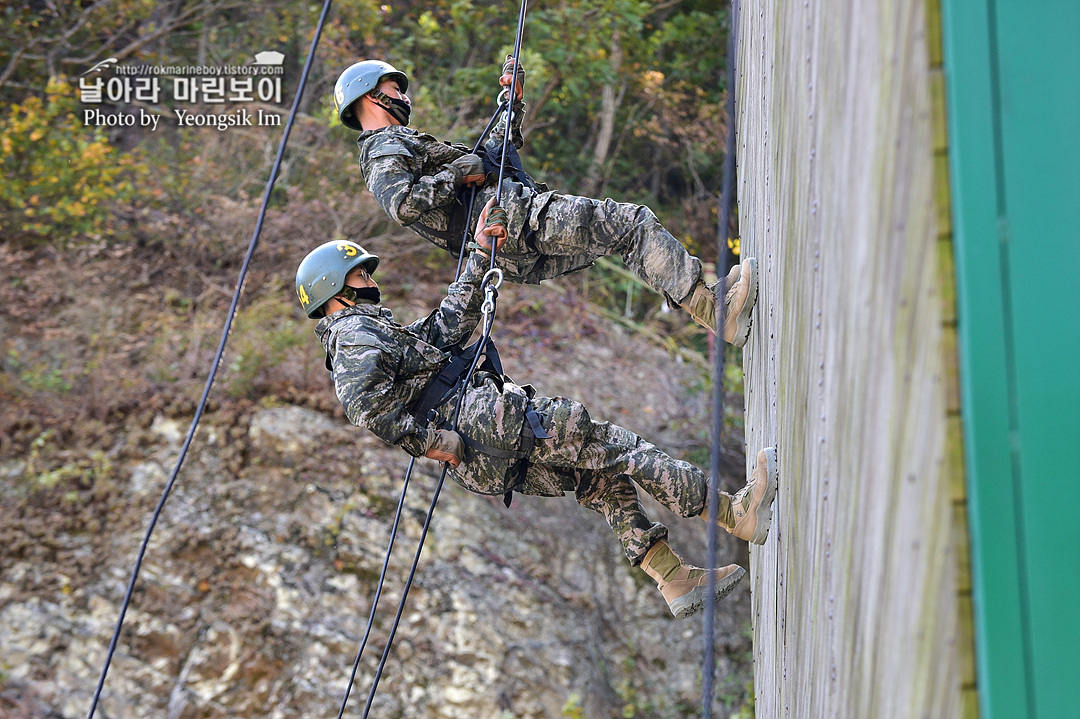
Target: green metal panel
x: 1039, y: 51
x: 1014, y: 115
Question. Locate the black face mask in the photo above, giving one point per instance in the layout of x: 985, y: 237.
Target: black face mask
x: 366, y: 295
x: 399, y: 110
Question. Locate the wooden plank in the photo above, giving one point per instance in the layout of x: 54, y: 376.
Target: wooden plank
x: 954, y: 459
x: 942, y: 196
x: 854, y: 593
x: 947, y: 276
x: 963, y: 563
x: 967, y: 630
x: 951, y: 370
x: 937, y: 102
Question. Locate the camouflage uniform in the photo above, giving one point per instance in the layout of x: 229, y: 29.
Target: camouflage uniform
x: 550, y: 234
x: 381, y: 367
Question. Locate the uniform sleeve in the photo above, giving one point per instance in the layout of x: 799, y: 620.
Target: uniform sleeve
x: 364, y: 380
x: 459, y: 312
x: 403, y: 194
x: 495, y: 138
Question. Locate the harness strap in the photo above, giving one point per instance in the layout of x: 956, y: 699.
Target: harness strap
x: 528, y: 439
x: 492, y: 451
x: 456, y: 226
x: 450, y: 377
x: 514, y: 168
x: 459, y: 219
x: 449, y: 381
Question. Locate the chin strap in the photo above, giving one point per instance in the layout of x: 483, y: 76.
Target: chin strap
x: 398, y: 109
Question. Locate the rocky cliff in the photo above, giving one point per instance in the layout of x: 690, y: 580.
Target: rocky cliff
x: 258, y: 581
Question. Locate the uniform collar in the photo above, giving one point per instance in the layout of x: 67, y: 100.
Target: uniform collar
x: 390, y: 129
x: 367, y: 310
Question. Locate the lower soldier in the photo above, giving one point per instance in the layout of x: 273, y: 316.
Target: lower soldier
x: 403, y: 383
x: 419, y: 181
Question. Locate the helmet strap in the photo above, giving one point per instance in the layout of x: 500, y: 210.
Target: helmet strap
x: 398, y: 109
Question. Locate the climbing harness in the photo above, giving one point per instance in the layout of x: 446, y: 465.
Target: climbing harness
x: 474, y: 355
x: 217, y: 358
x: 723, y: 249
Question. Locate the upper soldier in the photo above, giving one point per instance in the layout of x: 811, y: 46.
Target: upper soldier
x: 403, y: 383
x: 418, y: 180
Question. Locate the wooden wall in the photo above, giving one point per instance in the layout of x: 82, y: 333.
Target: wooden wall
x: 855, y: 608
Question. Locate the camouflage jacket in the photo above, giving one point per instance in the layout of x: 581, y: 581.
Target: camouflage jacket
x: 410, y: 175
x: 381, y: 368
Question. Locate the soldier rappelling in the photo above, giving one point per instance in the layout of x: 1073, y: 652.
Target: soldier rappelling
x: 417, y: 179
x: 393, y: 380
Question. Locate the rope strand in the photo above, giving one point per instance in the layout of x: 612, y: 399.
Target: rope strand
x: 490, y: 285
x: 722, y: 253
x: 378, y: 587
x: 217, y: 360
x: 472, y: 193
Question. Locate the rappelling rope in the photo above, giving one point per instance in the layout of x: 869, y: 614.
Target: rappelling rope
x: 412, y: 462
x: 472, y: 191
x: 379, y: 586
x: 509, y: 113
x: 491, y: 281
x: 722, y: 253
x: 217, y: 358
x: 489, y: 285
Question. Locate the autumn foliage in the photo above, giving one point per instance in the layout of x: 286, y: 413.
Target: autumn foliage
x: 60, y: 182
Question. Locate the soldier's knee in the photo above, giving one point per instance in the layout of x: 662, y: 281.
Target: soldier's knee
x: 615, y: 435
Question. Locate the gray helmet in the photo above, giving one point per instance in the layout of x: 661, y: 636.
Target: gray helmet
x: 358, y: 80
x: 321, y: 275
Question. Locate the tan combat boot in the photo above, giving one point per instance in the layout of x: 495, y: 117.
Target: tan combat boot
x: 748, y: 514
x: 742, y: 292
x: 685, y: 586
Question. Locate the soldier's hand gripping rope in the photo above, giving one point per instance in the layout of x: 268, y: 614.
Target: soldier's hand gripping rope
x: 491, y: 224
x: 518, y: 78
x: 471, y: 168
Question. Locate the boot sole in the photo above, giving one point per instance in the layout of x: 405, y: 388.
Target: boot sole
x: 690, y: 603
x: 744, y: 321
x: 764, y: 510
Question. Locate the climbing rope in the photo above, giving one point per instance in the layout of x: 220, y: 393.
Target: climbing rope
x: 472, y: 190
x: 412, y: 462
x: 217, y: 359
x: 379, y: 586
x: 722, y: 253
x: 509, y: 114
x: 489, y: 285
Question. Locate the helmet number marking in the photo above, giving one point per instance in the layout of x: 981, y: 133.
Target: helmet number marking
x: 303, y: 295
x: 349, y: 250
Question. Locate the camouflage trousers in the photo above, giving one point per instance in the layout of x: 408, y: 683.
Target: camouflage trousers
x: 601, y: 463
x: 568, y: 232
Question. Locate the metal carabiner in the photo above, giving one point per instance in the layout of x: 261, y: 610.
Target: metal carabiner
x: 493, y: 272
x: 488, y: 308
